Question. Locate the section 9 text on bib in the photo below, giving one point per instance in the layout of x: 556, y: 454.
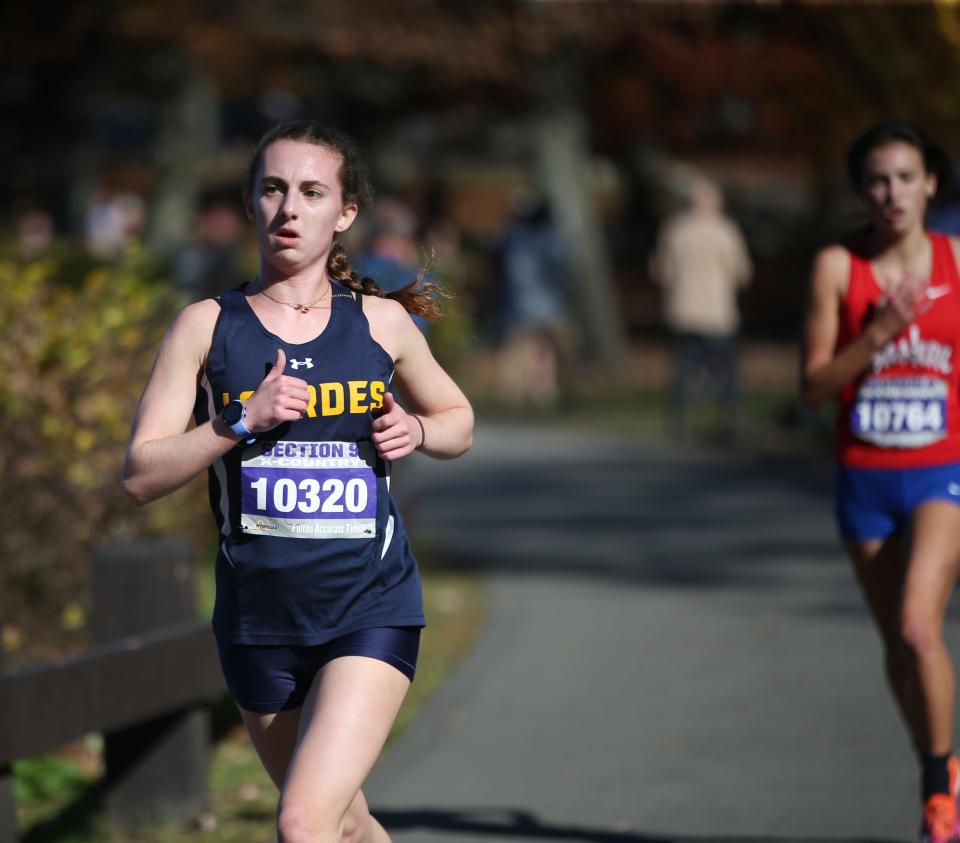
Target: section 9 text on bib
x: 309, y: 490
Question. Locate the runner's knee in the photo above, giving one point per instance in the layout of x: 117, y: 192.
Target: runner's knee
x: 312, y: 821
x: 356, y: 828
x: 308, y: 823
x: 920, y: 632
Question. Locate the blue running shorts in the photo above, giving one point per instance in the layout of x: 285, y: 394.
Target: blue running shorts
x: 873, y: 503
x: 267, y: 678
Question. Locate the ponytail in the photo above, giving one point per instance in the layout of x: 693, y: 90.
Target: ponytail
x: 419, y: 297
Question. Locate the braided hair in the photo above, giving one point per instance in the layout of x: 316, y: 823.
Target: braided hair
x: 420, y: 297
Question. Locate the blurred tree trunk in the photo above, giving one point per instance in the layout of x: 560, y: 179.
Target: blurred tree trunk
x: 189, y: 139
x: 561, y: 151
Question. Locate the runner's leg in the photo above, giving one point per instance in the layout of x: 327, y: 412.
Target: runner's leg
x: 344, y: 723
x: 932, y: 570
x: 881, y: 570
x: 273, y: 737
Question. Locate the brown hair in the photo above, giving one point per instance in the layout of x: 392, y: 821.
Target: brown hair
x: 935, y: 160
x: 419, y: 297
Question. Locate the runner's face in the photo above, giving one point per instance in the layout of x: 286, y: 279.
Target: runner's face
x: 897, y: 186
x: 297, y: 205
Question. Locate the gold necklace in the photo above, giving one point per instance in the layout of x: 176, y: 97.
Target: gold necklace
x: 303, y: 308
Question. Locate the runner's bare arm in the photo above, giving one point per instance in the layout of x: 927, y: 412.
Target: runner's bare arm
x: 428, y: 390
x: 826, y: 372
x: 162, y: 454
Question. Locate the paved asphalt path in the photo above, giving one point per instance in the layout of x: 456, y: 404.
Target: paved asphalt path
x: 676, y: 652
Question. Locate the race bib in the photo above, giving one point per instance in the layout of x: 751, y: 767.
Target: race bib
x: 900, y: 412
x: 309, y: 490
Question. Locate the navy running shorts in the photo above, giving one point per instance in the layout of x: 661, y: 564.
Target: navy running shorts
x: 267, y: 678
x: 873, y: 503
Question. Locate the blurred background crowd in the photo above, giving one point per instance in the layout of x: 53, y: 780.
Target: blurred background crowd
x: 567, y: 170
x: 623, y: 198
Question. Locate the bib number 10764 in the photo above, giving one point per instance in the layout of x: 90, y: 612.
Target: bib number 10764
x: 896, y: 416
x: 309, y: 495
x: 900, y: 412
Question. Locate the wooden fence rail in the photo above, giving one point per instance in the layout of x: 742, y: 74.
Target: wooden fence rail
x: 144, y: 684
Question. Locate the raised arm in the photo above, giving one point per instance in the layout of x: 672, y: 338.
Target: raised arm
x: 429, y: 392
x: 162, y: 454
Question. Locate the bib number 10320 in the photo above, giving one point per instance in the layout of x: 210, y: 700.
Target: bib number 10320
x: 311, y: 495
x: 309, y: 490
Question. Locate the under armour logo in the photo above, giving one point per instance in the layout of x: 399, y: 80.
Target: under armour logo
x: 307, y: 361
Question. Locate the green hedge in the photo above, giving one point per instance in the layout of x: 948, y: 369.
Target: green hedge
x: 78, y: 344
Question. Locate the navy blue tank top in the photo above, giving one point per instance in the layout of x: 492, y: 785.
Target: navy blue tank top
x: 312, y: 546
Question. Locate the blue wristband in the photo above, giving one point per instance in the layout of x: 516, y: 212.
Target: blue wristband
x: 240, y: 428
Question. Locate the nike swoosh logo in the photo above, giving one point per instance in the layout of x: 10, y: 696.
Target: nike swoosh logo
x: 938, y: 292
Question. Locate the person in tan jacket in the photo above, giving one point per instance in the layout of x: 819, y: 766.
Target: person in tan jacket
x: 701, y: 262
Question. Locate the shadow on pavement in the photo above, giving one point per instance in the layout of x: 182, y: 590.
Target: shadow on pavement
x: 645, y: 518
x: 653, y: 518
x: 510, y: 822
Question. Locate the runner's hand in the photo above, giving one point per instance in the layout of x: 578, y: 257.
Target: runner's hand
x: 901, y: 305
x: 279, y: 398
x: 395, y: 432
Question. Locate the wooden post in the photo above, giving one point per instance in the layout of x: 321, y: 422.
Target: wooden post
x: 157, y: 768
x: 8, y: 812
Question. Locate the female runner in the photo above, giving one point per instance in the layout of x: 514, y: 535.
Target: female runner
x: 883, y: 332
x: 290, y: 381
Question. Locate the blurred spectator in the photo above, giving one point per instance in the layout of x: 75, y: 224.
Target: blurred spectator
x: 391, y: 257
x: 536, y: 328
x: 114, y: 221
x: 35, y: 232
x: 209, y: 264
x: 701, y: 262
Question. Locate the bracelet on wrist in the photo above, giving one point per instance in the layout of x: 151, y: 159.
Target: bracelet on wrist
x: 423, y: 434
